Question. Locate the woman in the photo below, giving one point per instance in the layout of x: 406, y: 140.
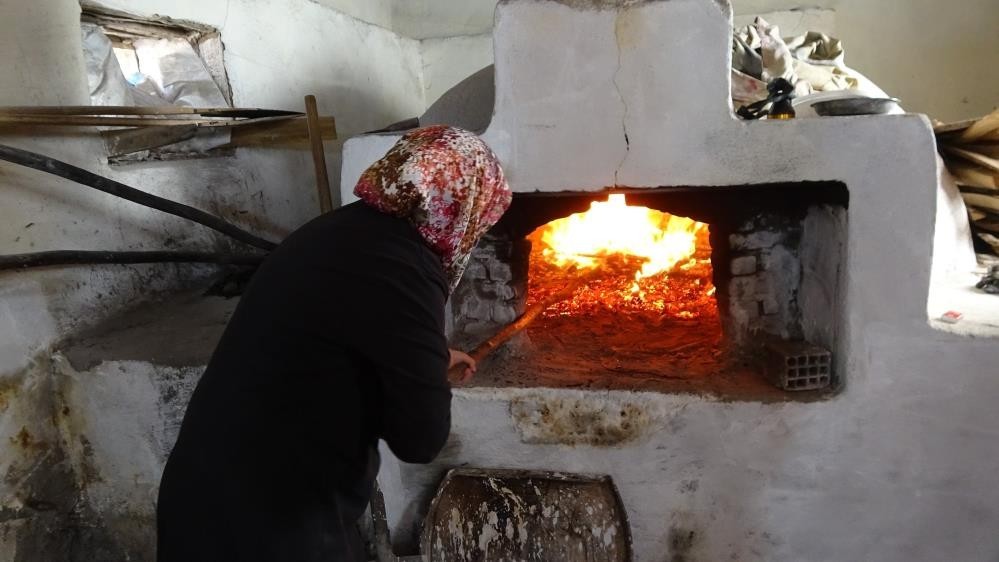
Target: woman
x: 337, y: 342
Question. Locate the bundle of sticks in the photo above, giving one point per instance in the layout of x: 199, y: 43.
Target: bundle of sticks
x: 971, y: 151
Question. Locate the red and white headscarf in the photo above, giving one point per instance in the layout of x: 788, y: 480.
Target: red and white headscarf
x: 447, y: 183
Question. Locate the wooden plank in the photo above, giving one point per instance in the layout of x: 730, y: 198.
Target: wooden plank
x: 987, y: 126
x: 126, y: 141
x: 990, y: 164
x: 966, y: 173
x: 953, y: 127
x: 988, y: 224
x: 103, y: 110
x: 990, y: 149
x: 50, y: 110
x: 318, y: 155
x: 979, y: 190
x: 292, y: 132
x: 102, y: 121
x: 988, y: 203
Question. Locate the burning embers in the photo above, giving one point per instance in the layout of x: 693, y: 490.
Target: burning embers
x: 621, y: 258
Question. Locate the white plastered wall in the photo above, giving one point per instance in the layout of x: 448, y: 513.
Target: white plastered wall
x: 936, y: 57
x: 449, y: 60
x: 277, y: 51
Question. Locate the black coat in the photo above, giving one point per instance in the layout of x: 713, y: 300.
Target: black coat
x: 338, y: 341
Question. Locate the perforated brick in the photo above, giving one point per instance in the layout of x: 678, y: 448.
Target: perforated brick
x: 798, y: 365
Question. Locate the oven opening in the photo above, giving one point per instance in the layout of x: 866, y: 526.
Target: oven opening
x: 689, y: 290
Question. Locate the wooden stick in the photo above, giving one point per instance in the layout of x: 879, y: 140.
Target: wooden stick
x: 82, y: 257
x: 139, y: 121
x: 55, y: 110
x: 318, y: 155
x: 89, y: 179
x: 102, y: 121
x: 530, y: 315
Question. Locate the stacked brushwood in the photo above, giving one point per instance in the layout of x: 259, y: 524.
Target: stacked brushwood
x: 971, y: 152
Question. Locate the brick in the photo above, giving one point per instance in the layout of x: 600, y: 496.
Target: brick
x: 504, y: 313
x: 499, y: 271
x: 742, y: 315
x: 493, y: 290
x: 505, y: 292
x: 478, y: 327
x: 475, y: 270
x: 743, y: 288
x: 758, y: 240
x: 780, y: 261
x: 474, y: 308
x: 769, y: 305
x: 743, y: 265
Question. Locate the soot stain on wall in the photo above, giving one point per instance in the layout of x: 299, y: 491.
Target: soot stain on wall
x: 600, y: 421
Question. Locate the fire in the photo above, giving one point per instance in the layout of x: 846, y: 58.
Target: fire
x: 633, y: 258
x: 612, y: 227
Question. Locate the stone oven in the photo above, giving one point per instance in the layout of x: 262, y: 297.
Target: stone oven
x: 792, y: 234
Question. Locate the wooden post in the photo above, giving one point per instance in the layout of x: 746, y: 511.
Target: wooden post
x: 318, y: 155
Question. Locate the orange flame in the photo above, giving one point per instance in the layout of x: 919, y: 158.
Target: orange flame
x: 612, y: 227
x: 645, y: 259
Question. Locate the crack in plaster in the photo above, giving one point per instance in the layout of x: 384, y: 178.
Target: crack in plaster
x: 617, y: 87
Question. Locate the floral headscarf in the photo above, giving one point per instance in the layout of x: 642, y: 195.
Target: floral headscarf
x: 449, y: 185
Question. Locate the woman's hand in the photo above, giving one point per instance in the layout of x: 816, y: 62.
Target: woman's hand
x: 462, y: 367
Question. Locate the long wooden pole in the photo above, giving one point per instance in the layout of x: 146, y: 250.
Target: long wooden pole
x: 140, y: 121
x: 89, y: 179
x: 130, y: 110
x: 318, y: 155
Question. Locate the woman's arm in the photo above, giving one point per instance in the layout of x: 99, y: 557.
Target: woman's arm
x: 398, y: 327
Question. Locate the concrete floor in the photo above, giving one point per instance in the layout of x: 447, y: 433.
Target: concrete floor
x: 980, y: 309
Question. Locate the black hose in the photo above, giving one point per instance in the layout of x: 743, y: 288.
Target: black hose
x: 78, y: 257
x: 89, y: 179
